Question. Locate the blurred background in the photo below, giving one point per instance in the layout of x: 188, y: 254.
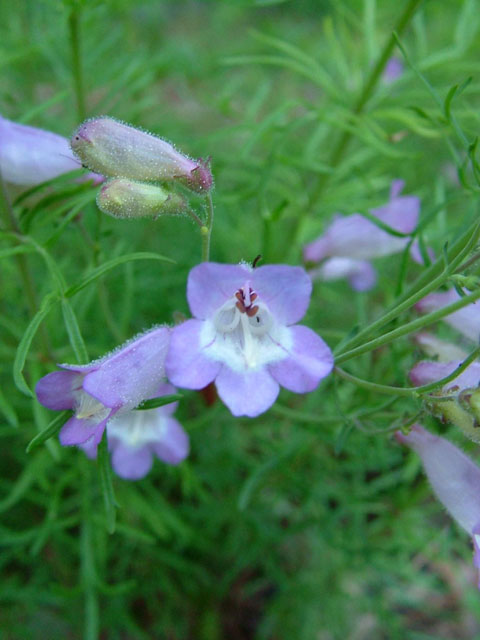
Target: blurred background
x: 308, y: 522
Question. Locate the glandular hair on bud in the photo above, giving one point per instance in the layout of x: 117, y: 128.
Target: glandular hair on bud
x: 114, y: 149
x: 123, y: 198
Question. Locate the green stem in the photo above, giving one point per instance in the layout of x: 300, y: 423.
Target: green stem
x: 87, y: 559
x: 367, y: 91
x: 409, y: 391
x: 74, y: 32
x: 426, y: 283
x: 206, y: 230
x: 410, y: 327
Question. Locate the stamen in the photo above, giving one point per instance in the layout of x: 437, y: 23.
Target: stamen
x: 251, y: 311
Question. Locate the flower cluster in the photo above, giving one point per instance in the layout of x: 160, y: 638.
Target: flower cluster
x: 350, y: 242
x: 243, y: 336
x: 133, y: 159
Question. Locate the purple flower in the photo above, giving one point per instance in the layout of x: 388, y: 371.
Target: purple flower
x: 360, y: 273
x: 358, y: 239
x: 116, y: 383
x: 465, y: 320
x: 440, y: 349
x: 393, y: 70
x: 30, y: 156
x: 244, y: 336
x: 135, y: 437
x: 428, y: 371
x: 120, y: 150
x: 454, y: 477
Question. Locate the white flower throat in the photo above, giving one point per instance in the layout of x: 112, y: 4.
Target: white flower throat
x: 245, y: 323
x: 89, y: 408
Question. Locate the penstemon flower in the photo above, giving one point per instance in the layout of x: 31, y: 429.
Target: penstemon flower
x: 454, y: 477
x: 30, y: 156
x: 465, y: 320
x: 244, y: 336
x: 355, y: 239
x: 98, y: 391
x: 135, y: 437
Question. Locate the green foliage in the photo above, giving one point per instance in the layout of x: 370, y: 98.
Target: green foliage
x: 307, y: 522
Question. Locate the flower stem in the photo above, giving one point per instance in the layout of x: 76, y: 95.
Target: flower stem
x: 410, y: 327
x: 409, y: 391
x: 426, y: 283
x: 74, y: 31
x: 206, y: 230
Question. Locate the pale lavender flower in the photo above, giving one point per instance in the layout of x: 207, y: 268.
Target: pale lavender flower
x: 360, y: 273
x: 454, y: 477
x: 30, y: 156
x: 393, y: 70
x: 98, y: 391
x: 115, y: 149
x: 135, y: 437
x: 428, y: 371
x: 358, y: 239
x: 442, y: 350
x: 244, y: 336
x: 465, y: 320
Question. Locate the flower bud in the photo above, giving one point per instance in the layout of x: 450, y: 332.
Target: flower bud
x: 123, y: 198
x: 119, y: 150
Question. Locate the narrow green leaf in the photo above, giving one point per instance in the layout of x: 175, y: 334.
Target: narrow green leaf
x: 74, y: 334
x: 26, y: 341
x: 6, y: 253
x: 160, y: 402
x: 53, y: 428
x: 111, y: 264
x: 106, y: 483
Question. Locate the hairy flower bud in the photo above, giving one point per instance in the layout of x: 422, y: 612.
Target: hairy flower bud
x: 123, y: 198
x: 119, y: 150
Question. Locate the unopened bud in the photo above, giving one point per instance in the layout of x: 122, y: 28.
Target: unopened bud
x: 123, y: 198
x: 115, y: 149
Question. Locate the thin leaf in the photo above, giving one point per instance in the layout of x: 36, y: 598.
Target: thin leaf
x: 74, y: 333
x: 26, y: 341
x: 160, y: 402
x: 53, y: 428
x: 106, y: 483
x: 111, y: 264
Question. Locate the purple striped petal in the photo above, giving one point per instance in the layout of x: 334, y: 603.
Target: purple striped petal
x: 174, y: 446
x: 56, y: 390
x: 284, y: 289
x: 211, y: 284
x: 131, y: 464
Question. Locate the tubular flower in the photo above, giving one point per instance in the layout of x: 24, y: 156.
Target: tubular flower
x: 135, y: 437
x: 120, y: 150
x: 357, y: 239
x: 30, y: 156
x: 98, y: 391
x: 244, y: 336
x: 465, y: 320
x: 454, y: 477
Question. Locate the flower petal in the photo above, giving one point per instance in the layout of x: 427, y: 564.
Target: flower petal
x: 428, y: 371
x: 211, y: 284
x: 247, y: 394
x: 309, y: 360
x: 130, y: 375
x: 466, y: 320
x: 186, y: 365
x: 29, y: 156
x: 78, y: 431
x: 131, y: 463
x: 360, y: 273
x: 55, y: 390
x: 284, y: 289
x: 174, y: 444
